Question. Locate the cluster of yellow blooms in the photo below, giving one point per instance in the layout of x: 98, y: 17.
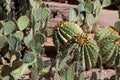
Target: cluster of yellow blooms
x: 117, y: 41
x: 61, y: 24
x: 113, y: 30
x: 82, y: 39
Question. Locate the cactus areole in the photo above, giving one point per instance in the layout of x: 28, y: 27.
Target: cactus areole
x: 85, y: 51
x: 109, y: 49
x: 65, y: 31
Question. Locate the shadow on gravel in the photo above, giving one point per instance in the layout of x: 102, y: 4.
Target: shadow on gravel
x: 50, y: 51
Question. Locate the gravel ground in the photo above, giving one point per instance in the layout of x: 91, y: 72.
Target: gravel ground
x: 106, y: 73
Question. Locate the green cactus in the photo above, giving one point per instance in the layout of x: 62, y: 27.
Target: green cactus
x: 3, y: 41
x: 118, y: 72
x: 117, y: 63
x: 9, y: 27
x: 67, y: 73
x: 2, y: 1
x: 22, y: 36
x: 82, y: 77
x: 85, y: 48
x: 117, y: 25
x: 17, y: 73
x: 39, y: 38
x: 13, y: 42
x: 41, y: 14
x: 19, y: 34
x: 16, y: 64
x: 99, y: 65
x: 7, y: 78
x: 94, y: 76
x: 106, y: 3
x: 27, y: 39
x: 28, y: 57
x: 109, y: 49
x: 101, y: 33
x: 16, y: 67
x: 3, y: 10
x: 49, y: 32
x: 73, y: 15
x: 113, y: 77
x: 65, y: 31
x: 21, y: 8
x: 23, y: 22
x: 70, y: 73
x: 6, y: 70
x: 89, y: 6
x: 87, y: 12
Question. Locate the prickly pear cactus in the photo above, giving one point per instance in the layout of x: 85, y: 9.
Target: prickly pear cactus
x: 118, y: 72
x: 85, y: 51
x: 17, y: 73
x: 65, y: 31
x: 109, y: 49
x: 86, y: 14
x: 104, y: 32
x: 22, y: 36
x: 2, y: 9
x: 94, y: 76
x: 117, y: 65
x: 117, y: 25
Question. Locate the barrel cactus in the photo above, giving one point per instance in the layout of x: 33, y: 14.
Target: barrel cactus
x: 117, y: 24
x: 85, y: 51
x: 104, y: 32
x: 109, y: 49
x: 65, y: 31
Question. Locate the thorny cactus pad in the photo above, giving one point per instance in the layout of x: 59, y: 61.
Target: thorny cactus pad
x: 104, y: 32
x: 22, y: 37
x: 109, y: 49
x: 87, y: 12
x: 65, y: 31
x: 85, y: 51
